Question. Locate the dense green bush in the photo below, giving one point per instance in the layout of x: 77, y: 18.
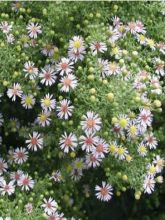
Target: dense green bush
x: 81, y: 112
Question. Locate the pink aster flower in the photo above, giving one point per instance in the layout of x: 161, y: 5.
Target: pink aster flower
x: 98, y: 47
x: 15, y: 176
x: 145, y: 117
x: 64, y: 66
x: 88, y: 142
x: 91, y: 122
x: 104, y: 192
x: 101, y: 148
x: 68, y: 142
x: 20, y: 155
x: 3, y: 166
x: 14, y: 91
x: 30, y: 70
x: 92, y: 160
x: 151, y: 141
x: 49, y: 206
x: 5, y: 27
x: 33, y: 30
x: 26, y: 182
x: 64, y: 109
x: 47, y: 76
x: 7, y: 188
x: 148, y: 184
x: 68, y: 83
x: 35, y: 142
x: 29, y: 208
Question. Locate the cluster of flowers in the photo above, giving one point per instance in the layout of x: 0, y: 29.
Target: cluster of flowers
x: 134, y: 127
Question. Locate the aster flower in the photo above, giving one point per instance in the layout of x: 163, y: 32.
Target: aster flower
x: 20, y: 155
x: 101, y: 148
x: 115, y: 34
x: 117, y: 130
x: 10, y: 38
x: 49, y: 206
x: 98, y: 47
x: 76, y: 174
x: 14, y: 91
x: 161, y: 47
x: 113, y: 147
x: 68, y: 142
x: 65, y: 66
x: 35, y: 142
x: 116, y: 21
x: 30, y: 70
x: 145, y: 117
x: 29, y: 208
x: 27, y: 101
x: 123, y: 121
x: 92, y: 160
x: 121, y: 153
x: 15, y: 176
x: 113, y: 69
x: 104, y: 192
x: 103, y: 67
x: 57, y: 216
x: 5, y: 27
x: 88, y: 142
x: 151, y: 43
x: 132, y: 27
x: 148, y: 184
x: 64, y: 109
x: 43, y: 119
x: 159, y: 162
x: 33, y: 30
x: 159, y: 66
x: 151, y: 169
x: 141, y: 39
x: 68, y: 83
x: 47, y: 76
x: 142, y: 149
x: 151, y: 141
x: 7, y: 188
x: 3, y: 166
x: 48, y: 50
x: 76, y: 44
x: 76, y: 55
x: 47, y: 103
x: 140, y: 27
x: 56, y: 176
x: 91, y: 122
x: 26, y: 182
x: 132, y: 130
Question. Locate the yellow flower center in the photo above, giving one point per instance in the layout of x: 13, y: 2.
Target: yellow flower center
x: 115, y: 50
x: 160, y: 163
x: 79, y: 164
x: 142, y: 149
x: 123, y: 122
x: 77, y: 44
x: 112, y: 148
x: 43, y: 117
x: 28, y: 100
x: 121, y: 151
x: 150, y: 42
x: 133, y: 130
x: 152, y: 169
x: 47, y: 102
x: 142, y: 37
